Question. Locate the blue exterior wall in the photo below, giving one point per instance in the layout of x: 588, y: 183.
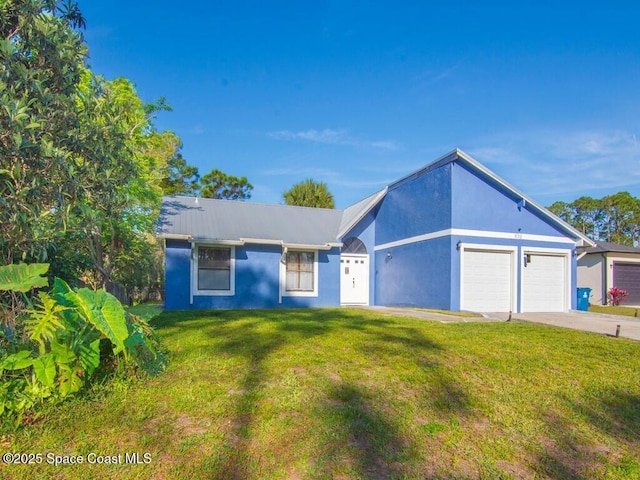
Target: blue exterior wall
x: 177, y: 274
x: 417, y: 275
x: 478, y: 205
x: 417, y: 205
x: 427, y: 273
x: 256, y: 280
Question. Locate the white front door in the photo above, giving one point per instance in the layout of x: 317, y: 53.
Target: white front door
x: 354, y: 279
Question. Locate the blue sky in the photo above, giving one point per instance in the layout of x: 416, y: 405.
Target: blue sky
x: 359, y: 93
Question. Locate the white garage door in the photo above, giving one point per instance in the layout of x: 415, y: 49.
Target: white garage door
x: 544, y: 283
x: 487, y: 281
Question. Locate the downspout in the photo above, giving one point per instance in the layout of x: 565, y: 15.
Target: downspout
x: 605, y: 270
x: 191, y: 273
x: 283, y: 260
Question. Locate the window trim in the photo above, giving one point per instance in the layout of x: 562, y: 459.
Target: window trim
x: 232, y: 272
x: 283, y: 276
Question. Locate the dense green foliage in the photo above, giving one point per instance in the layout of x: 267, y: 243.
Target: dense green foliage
x: 41, y: 62
x: 217, y: 184
x: 614, y: 218
x: 82, y: 167
x: 309, y: 193
x: 71, y: 332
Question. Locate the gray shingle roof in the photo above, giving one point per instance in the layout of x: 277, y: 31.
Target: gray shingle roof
x: 227, y: 220
x: 603, y: 247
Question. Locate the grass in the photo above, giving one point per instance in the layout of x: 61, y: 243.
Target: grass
x: 617, y: 310
x: 449, y: 312
x: 350, y: 394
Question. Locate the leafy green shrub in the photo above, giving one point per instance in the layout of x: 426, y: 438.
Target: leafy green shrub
x: 66, y: 330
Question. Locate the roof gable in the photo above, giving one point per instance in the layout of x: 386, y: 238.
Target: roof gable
x: 487, y: 175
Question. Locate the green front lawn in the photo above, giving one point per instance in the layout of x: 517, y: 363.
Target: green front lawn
x: 351, y: 394
x: 618, y: 310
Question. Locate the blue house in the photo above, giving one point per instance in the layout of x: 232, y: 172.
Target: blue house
x: 452, y: 235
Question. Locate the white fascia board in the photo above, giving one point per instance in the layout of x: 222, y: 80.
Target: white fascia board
x: 208, y: 241
x: 474, y: 233
x: 443, y: 160
x: 364, y: 212
x: 304, y: 246
x: 174, y: 236
x: 263, y: 241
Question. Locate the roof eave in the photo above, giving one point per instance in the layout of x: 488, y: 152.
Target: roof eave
x: 174, y: 236
x: 364, y: 212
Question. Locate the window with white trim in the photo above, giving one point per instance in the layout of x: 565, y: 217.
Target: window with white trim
x: 300, y: 272
x: 214, y: 270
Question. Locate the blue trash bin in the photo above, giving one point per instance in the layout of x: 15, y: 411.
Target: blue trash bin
x: 583, y: 299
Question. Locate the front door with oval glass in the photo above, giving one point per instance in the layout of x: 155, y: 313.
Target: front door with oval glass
x: 354, y: 279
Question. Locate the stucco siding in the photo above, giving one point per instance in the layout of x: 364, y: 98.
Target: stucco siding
x: 177, y: 274
x: 590, y: 275
x: 478, y: 205
x: 257, y: 277
x: 417, y: 275
x: 418, y: 205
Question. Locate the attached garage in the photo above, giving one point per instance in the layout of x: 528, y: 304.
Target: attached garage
x: 487, y: 280
x: 544, y: 283
x: 627, y: 277
x: 509, y: 279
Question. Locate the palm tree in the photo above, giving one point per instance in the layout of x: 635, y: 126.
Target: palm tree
x: 309, y: 193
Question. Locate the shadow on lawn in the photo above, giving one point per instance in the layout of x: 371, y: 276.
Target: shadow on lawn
x: 567, y: 455
x: 375, y: 443
x: 233, y: 458
x: 375, y: 449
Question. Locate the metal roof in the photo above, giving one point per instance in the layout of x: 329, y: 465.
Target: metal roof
x: 246, y: 222
x: 213, y: 220
x: 356, y: 212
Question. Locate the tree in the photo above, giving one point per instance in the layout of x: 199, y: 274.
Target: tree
x: 121, y: 171
x: 41, y: 61
x: 81, y: 163
x: 309, y: 193
x: 622, y: 213
x: 613, y: 218
x: 217, y: 184
x: 180, y: 178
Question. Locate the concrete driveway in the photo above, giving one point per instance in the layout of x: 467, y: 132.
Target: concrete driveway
x: 586, y: 321
x: 589, y: 322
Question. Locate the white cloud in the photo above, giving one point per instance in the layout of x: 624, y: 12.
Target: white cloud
x: 430, y: 77
x: 332, y: 137
x: 565, y: 164
x: 320, y: 136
